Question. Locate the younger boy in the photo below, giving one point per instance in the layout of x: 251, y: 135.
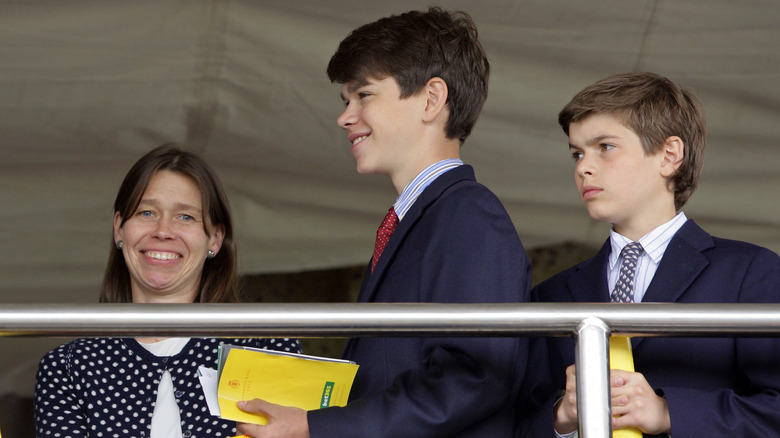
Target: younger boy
x: 413, y: 85
x: 637, y: 141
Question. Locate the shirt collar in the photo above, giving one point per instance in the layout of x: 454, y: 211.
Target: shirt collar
x: 412, y: 191
x: 654, y: 242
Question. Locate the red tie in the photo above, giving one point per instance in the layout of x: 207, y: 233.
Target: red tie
x: 386, y: 229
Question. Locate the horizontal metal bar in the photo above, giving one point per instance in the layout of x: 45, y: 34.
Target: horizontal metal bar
x: 373, y: 319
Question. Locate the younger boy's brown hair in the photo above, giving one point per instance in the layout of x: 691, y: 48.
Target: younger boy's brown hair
x: 655, y: 108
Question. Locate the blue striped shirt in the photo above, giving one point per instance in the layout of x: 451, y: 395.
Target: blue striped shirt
x: 412, y: 191
x: 654, y: 243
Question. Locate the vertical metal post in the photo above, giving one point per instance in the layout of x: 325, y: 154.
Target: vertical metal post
x: 593, y: 388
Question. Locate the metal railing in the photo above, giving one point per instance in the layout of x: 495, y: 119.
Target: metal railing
x: 590, y: 325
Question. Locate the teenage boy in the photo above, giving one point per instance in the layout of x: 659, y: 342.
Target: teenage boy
x: 637, y: 141
x: 413, y: 85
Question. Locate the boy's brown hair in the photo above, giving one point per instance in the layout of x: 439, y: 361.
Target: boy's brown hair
x: 414, y: 47
x: 655, y: 108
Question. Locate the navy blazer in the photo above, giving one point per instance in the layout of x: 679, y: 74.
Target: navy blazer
x: 456, y: 244
x: 715, y: 387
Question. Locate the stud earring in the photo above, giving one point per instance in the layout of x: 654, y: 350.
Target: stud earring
x: 211, y: 254
x: 119, y: 244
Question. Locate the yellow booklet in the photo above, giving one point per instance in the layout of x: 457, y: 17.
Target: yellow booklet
x: 621, y: 358
x: 288, y: 379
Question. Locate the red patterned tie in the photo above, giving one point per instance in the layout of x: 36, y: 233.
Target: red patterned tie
x: 386, y: 229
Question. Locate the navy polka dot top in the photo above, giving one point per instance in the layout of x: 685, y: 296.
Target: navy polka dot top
x: 107, y: 387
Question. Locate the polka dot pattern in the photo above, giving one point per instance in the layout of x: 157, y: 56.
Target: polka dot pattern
x: 383, y: 234
x: 107, y: 387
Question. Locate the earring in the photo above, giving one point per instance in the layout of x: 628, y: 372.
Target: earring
x: 211, y: 254
x: 119, y: 244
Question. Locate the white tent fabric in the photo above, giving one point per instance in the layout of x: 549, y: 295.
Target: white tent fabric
x: 88, y: 86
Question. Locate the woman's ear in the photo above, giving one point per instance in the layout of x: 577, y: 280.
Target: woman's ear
x: 217, y: 237
x: 117, y: 228
x: 436, y: 92
x: 673, y: 153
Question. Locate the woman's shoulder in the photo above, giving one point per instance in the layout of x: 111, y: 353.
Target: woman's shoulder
x: 74, y: 351
x: 277, y: 344
x: 84, y: 345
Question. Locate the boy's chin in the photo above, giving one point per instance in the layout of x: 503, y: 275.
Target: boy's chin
x: 599, y: 215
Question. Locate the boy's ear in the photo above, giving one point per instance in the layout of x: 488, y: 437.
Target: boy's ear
x: 436, y: 93
x: 673, y: 154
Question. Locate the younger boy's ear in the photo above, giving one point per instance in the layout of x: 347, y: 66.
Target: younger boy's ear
x: 673, y: 154
x: 436, y: 93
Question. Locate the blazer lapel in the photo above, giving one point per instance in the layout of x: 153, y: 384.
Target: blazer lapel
x: 372, y: 281
x: 588, y: 284
x: 681, y: 264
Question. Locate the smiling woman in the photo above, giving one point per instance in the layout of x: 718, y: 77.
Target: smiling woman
x: 166, y: 241
x: 169, y: 200
x: 172, y: 243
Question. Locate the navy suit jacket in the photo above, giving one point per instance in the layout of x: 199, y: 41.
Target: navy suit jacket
x: 455, y: 245
x: 715, y: 387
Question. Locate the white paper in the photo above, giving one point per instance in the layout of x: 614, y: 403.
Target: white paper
x: 209, y: 381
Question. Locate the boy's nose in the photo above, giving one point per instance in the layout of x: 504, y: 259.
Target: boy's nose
x: 584, y: 168
x: 347, y: 118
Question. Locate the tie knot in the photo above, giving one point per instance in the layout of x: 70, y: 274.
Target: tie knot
x: 632, y: 251
x: 390, y: 221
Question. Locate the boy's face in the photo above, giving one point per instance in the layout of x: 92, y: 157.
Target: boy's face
x: 617, y: 181
x: 382, y: 127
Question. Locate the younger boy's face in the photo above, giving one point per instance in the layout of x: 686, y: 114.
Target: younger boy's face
x: 618, y: 183
x: 382, y: 127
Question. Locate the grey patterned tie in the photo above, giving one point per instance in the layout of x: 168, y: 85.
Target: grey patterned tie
x: 624, y: 288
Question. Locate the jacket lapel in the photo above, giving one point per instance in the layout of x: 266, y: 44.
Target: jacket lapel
x: 680, y: 266
x: 372, y: 281
x: 588, y: 283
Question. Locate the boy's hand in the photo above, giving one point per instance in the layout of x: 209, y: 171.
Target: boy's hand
x: 283, y: 421
x: 635, y: 404
x: 566, y: 411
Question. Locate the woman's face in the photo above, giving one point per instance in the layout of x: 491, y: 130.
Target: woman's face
x: 164, y: 241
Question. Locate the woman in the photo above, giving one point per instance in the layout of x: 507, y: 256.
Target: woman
x: 173, y: 243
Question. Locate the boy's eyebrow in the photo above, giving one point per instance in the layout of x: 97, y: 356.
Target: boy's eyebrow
x: 594, y: 140
x: 353, y: 86
x: 600, y: 138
